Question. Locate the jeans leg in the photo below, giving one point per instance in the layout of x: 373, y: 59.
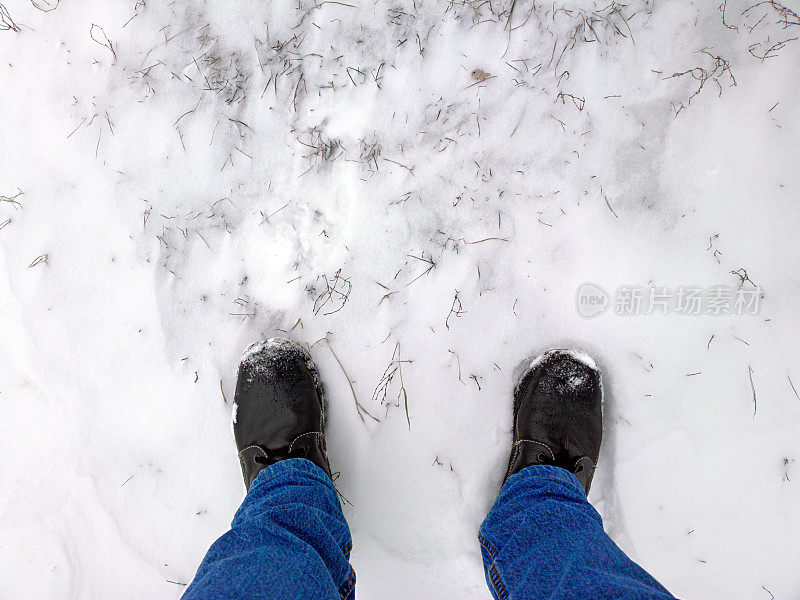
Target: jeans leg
x: 542, y: 539
x: 288, y: 540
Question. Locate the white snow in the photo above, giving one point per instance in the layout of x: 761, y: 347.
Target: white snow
x: 426, y: 186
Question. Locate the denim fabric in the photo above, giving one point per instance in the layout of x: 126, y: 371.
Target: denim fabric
x: 542, y: 539
x: 288, y: 540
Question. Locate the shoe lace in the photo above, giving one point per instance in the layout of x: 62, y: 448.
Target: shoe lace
x: 270, y: 457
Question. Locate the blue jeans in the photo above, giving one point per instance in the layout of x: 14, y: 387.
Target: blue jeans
x: 542, y: 539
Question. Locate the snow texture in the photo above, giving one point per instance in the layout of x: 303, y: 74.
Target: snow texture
x: 415, y: 191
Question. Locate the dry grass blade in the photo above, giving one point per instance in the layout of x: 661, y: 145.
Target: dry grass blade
x: 337, y: 291
x: 489, y: 239
x: 38, y: 260
x: 99, y: 36
x: 422, y: 258
x: 381, y: 393
x: 359, y: 408
x: 793, y: 388
x: 787, y: 16
x: 13, y: 199
x: 702, y: 75
x: 6, y: 22
x: 456, y: 309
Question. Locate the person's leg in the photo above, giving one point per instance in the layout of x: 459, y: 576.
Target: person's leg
x: 542, y: 538
x: 289, y: 539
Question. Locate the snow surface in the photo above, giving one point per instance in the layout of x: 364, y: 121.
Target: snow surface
x: 425, y: 186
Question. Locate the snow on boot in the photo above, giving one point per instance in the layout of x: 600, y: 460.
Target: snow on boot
x: 558, y: 415
x: 278, y: 408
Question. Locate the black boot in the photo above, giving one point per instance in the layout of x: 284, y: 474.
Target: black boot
x: 558, y: 415
x: 278, y: 408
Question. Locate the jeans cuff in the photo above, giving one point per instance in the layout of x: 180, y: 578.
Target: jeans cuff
x: 548, y: 473
x: 292, y: 466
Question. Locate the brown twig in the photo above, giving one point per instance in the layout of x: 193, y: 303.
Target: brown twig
x: 336, y: 290
x: 458, y: 362
x: 38, y: 260
x: 456, y: 309
x: 382, y: 389
x: 6, y: 22
x: 359, y: 408
x: 93, y: 30
x: 13, y: 199
x: 793, y: 388
x: 429, y: 261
